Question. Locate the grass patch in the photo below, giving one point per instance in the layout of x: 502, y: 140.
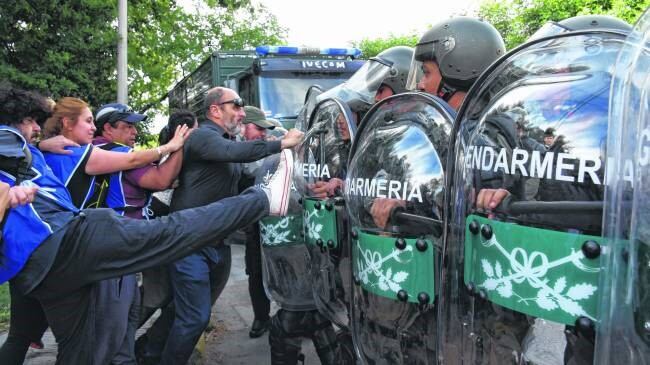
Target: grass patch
x: 4, y: 306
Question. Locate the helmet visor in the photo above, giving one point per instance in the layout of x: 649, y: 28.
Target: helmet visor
x: 361, y: 88
x: 415, y: 74
x: 311, y: 99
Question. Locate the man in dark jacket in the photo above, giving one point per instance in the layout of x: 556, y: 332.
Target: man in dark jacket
x: 212, y: 168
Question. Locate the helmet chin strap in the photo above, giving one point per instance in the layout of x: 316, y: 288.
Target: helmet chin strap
x: 445, y: 91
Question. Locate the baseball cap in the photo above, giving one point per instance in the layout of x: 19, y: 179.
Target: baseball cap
x: 111, y: 113
x: 256, y: 116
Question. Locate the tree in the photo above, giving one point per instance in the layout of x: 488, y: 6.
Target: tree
x: 166, y: 41
x: 372, y: 47
x: 517, y: 20
x: 68, y: 47
x: 61, y: 48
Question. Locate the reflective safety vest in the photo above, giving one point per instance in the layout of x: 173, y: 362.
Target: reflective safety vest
x: 109, y: 189
x: 70, y: 169
x: 24, y: 228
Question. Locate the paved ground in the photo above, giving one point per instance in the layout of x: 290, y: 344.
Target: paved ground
x: 227, y: 342
x: 232, y: 316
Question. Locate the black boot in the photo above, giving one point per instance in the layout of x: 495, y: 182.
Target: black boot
x: 259, y: 327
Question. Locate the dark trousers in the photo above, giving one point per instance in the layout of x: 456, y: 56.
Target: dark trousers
x: 197, y: 282
x: 27, y: 324
x: 116, y: 312
x: 253, y: 258
x: 99, y: 244
x: 289, y: 327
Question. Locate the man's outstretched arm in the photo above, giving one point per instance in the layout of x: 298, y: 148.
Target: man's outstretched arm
x: 161, y: 177
x: 212, y: 147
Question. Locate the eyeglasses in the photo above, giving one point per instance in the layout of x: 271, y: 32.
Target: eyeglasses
x: 239, y: 102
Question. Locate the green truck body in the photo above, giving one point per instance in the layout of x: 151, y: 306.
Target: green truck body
x: 275, y: 83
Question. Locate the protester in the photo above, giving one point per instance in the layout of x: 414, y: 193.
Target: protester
x: 33, y: 324
x: 27, y: 321
x: 156, y: 286
x: 55, y: 252
x: 211, y: 170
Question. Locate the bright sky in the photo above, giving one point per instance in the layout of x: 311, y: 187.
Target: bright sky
x: 335, y: 23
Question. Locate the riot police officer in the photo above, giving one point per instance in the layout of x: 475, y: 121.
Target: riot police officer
x: 518, y: 273
x: 491, y: 198
x: 394, y: 195
x: 384, y: 75
x: 285, y: 269
x: 330, y: 125
x: 452, y: 55
x: 448, y: 59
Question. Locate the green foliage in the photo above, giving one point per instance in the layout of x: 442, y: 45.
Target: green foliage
x: 519, y: 19
x: 68, y: 47
x: 62, y: 48
x: 165, y: 41
x: 372, y: 47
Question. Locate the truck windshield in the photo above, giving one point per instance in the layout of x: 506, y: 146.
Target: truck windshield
x: 284, y: 96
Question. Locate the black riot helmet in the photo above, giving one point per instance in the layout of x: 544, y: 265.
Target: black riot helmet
x: 581, y: 22
x: 462, y: 47
x: 399, y: 59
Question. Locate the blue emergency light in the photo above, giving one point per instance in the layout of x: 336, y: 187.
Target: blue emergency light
x: 287, y: 50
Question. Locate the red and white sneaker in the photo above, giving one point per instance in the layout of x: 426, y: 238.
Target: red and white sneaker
x: 279, y: 184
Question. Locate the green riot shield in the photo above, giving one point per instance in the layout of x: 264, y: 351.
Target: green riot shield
x: 319, y: 176
x: 624, y: 332
x: 285, y: 263
x: 394, y: 192
x: 523, y: 214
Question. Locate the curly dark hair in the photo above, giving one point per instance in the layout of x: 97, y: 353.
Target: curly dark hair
x: 17, y: 104
x: 176, y: 119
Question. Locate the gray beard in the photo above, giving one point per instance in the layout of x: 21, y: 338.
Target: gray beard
x: 235, y: 131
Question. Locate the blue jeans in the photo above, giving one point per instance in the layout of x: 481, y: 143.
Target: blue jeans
x: 197, y: 280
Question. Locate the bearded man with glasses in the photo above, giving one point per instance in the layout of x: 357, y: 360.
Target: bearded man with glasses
x: 212, y: 169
